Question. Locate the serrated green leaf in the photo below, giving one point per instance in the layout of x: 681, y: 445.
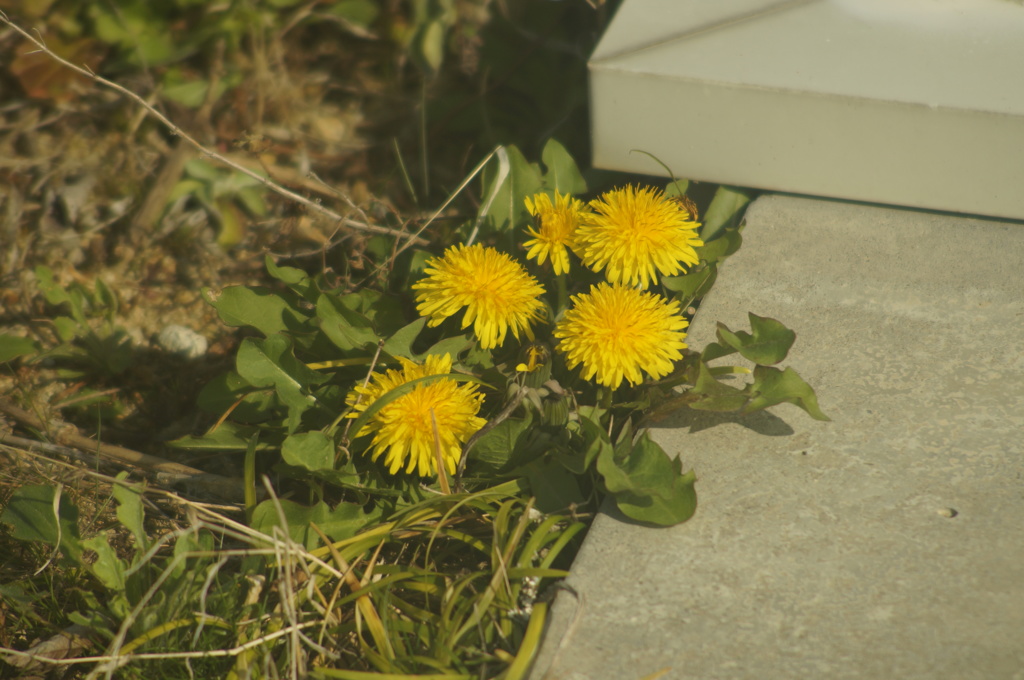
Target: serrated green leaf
x: 714, y: 350
x: 715, y: 396
x: 107, y: 567
x: 454, y: 346
x: 291, y: 276
x: 495, y: 449
x: 562, y: 173
x: 345, y: 327
x: 310, y: 450
x: 554, y: 487
x: 724, y: 245
x: 256, y: 307
x: 400, y: 344
x: 768, y: 344
x: 772, y: 386
x: 595, y: 444
x: 648, y: 486
x: 270, y: 363
x: 691, y: 286
x: 725, y: 212
x: 677, y: 187
x: 30, y: 512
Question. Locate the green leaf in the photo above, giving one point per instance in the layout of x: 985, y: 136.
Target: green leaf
x: 562, y: 174
x: 204, y: 170
x: 30, y: 512
x: 339, y: 524
x: 294, y: 278
x: 291, y: 276
x: 768, y: 344
x: 554, y: 487
x: 142, y: 36
x: 400, y: 344
x: 691, y: 286
x: 12, y: 347
x: 67, y: 328
x: 251, y: 198
x: 648, y: 486
x: 104, y: 297
x: 508, y: 180
x: 715, y: 396
x: 594, y: 445
x: 454, y: 346
x: 724, y: 245
x: 772, y: 386
x: 346, y: 328
x: 359, y: 12
x: 494, y: 449
x: 310, y: 450
x: 190, y: 93
x: 256, y: 307
x: 228, y: 436
x: 725, y: 211
x: 130, y: 512
x: 677, y: 187
x: 107, y: 567
x: 428, y: 45
x: 270, y: 363
x: 57, y: 296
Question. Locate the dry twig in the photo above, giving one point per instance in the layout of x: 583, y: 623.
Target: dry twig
x: 161, y: 470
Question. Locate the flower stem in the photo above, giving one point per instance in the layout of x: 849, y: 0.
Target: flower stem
x: 562, y: 293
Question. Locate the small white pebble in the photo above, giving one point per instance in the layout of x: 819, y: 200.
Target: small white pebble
x: 948, y: 512
x: 182, y: 341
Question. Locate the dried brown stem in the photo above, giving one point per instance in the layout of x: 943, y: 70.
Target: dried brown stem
x: 161, y: 470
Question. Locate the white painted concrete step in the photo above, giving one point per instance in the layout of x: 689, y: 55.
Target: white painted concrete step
x: 888, y: 543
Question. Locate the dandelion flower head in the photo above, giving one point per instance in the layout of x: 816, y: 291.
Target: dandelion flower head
x: 498, y: 294
x: 616, y: 332
x: 403, y: 430
x: 634, y: 231
x: 558, y: 222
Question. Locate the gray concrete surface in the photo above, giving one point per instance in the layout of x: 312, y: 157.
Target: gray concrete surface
x: 888, y: 543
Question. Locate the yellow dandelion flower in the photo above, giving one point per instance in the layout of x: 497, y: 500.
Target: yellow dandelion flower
x: 634, y: 231
x: 616, y: 331
x: 558, y: 223
x: 496, y: 291
x: 404, y: 428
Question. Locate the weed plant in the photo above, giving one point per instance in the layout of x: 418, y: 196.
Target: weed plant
x: 417, y: 447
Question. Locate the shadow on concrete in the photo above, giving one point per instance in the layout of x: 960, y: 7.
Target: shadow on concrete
x: 761, y: 422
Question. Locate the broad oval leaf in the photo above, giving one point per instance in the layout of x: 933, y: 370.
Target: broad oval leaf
x: 310, y: 450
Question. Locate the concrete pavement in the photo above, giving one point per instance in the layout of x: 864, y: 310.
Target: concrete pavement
x: 888, y: 543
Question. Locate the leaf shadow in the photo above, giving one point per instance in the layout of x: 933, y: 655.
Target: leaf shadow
x: 761, y: 422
